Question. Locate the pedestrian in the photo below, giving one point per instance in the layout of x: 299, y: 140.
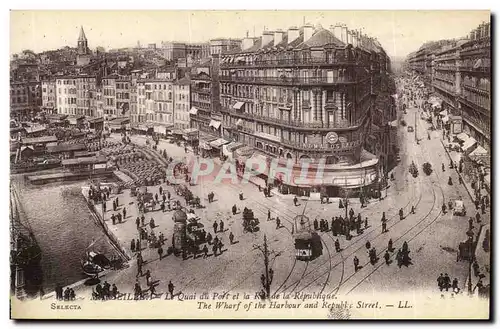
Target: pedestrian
x: 268, y: 214
x: 478, y: 217
x: 137, y: 290
x: 389, y: 245
x: 278, y: 223
x: 152, y: 223
x: 337, y: 246
x: 132, y: 245
x: 356, y: 263
x: 143, y: 218
x: 383, y: 217
x: 113, y: 219
x: 148, y: 277
x: 387, y: 257
x: 295, y: 200
x: 205, y: 251
x: 315, y: 224
x: 221, y: 226
x: 215, y: 227
x: 160, y: 252
x: 119, y: 215
x: 366, y: 223
x: 368, y: 245
x: 124, y: 212
x: 475, y: 267
x: 214, y: 249
x: 156, y: 197
x: 139, y: 268
x: 72, y: 295
x: 446, y: 282
x: 137, y: 221
x: 231, y: 237
x: 161, y: 190
x: 399, y: 258
x: 104, y: 206
x: 220, y: 245
x: 234, y: 209
x: 384, y: 227
x: 413, y: 209
x: 454, y: 286
x: 114, y: 291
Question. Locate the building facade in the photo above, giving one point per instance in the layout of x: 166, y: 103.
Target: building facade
x: 304, y: 95
x: 49, y: 98
x: 223, y: 45
x: 85, y: 96
x: 156, y: 100
x: 66, y: 95
x: 182, y: 103
x: 25, y: 98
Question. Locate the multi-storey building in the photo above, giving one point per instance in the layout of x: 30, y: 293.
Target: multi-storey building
x: 156, y: 100
x: 85, y: 96
x: 49, y: 101
x: 25, y: 98
x: 223, y: 45
x: 304, y: 95
x: 182, y: 102
x: 201, y: 99
x: 123, y: 88
x: 109, y: 96
x: 134, y: 115
x: 172, y: 51
x: 461, y: 77
x: 66, y: 95
x: 474, y: 102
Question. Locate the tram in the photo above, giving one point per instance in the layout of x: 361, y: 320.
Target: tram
x: 307, y: 242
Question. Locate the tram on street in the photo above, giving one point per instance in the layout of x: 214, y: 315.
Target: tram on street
x: 307, y: 242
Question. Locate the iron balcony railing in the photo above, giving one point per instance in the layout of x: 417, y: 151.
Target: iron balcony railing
x: 292, y: 80
x: 342, y: 123
x: 294, y: 62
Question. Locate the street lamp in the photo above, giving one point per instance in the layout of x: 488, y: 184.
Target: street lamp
x: 470, y: 235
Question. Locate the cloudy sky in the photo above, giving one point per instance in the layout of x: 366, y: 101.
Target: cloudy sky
x: 399, y: 32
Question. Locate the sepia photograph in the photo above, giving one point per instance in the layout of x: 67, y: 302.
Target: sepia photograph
x: 217, y: 164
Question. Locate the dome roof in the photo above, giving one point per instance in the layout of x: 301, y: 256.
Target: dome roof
x: 179, y: 216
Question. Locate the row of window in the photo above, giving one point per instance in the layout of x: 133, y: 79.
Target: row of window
x: 479, y: 99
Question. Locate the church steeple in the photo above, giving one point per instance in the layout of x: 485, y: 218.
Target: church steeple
x: 82, y: 43
x: 82, y: 36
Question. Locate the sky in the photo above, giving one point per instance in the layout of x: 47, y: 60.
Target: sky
x: 399, y: 32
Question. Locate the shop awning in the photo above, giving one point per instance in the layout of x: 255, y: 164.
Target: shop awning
x: 160, y: 129
x: 478, y: 152
x: 238, y: 105
x: 193, y: 111
x: 214, y: 123
x: 218, y: 142
x: 205, y: 146
x: 463, y: 136
x: 233, y: 146
x: 468, y: 144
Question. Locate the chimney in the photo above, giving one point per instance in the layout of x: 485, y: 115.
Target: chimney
x: 308, y: 32
x: 349, y: 37
x: 246, y: 43
x: 267, y: 37
x: 344, y: 34
x: 337, y: 31
x: 278, y: 37
x: 293, y: 33
x: 355, y: 38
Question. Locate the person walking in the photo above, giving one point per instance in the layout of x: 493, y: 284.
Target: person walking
x: 268, y: 214
x: 160, y: 252
x: 337, y: 246
x: 384, y: 227
x: 231, y: 237
x: 387, y: 257
x: 221, y: 226
x: 124, y: 212
x: 148, y: 277
x: 215, y: 227
x: 278, y: 223
x: 454, y: 286
x: 137, y: 222
x: 205, y: 251
x: 356, y: 263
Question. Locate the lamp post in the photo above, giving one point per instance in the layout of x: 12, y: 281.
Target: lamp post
x: 470, y: 242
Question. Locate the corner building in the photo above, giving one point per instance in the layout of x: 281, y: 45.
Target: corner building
x: 304, y: 95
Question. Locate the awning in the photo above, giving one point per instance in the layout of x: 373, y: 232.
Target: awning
x: 443, y: 113
x: 468, y: 144
x: 218, y: 142
x: 193, y: 111
x: 478, y: 152
x: 233, y: 146
x: 214, y: 123
x: 141, y: 127
x: 238, y: 105
x: 463, y: 136
x: 159, y: 129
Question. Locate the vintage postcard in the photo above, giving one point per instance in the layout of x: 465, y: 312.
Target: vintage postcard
x: 250, y: 164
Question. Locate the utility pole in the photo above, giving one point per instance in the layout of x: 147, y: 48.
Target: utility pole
x: 267, y: 277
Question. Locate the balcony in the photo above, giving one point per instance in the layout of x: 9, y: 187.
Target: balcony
x: 293, y: 124
x: 481, y: 69
x: 293, y: 62
x: 293, y: 81
x: 476, y: 90
x: 335, y: 148
x: 205, y: 91
x: 445, y: 67
x: 443, y: 78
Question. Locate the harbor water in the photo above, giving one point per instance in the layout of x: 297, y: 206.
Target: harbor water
x: 63, y: 227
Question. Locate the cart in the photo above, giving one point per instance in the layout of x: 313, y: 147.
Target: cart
x: 459, y: 209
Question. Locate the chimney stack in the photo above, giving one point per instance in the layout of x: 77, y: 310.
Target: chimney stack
x: 308, y: 32
x: 355, y: 38
x: 344, y: 34
x: 247, y: 43
x: 293, y: 33
x: 349, y: 37
x: 337, y: 31
x: 278, y: 37
x: 267, y: 37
